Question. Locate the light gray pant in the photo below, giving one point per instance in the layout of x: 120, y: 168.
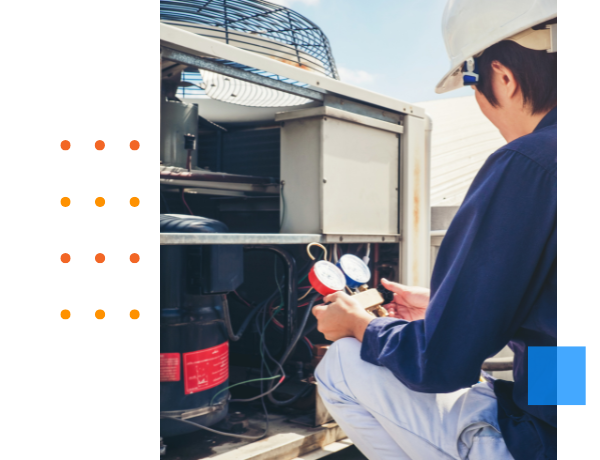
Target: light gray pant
x: 386, y: 420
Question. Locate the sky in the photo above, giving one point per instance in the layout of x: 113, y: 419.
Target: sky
x: 392, y: 47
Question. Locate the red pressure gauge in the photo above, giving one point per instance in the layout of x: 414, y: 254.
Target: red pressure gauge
x: 326, y: 278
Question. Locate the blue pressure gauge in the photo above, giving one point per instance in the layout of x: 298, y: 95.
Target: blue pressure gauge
x: 356, y: 271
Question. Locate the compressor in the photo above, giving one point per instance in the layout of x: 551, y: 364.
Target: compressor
x: 194, y: 347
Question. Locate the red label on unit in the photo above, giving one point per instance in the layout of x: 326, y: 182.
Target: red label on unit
x: 170, y: 367
x: 205, y: 369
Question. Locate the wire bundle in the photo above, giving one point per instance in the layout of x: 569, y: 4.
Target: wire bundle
x: 264, y: 314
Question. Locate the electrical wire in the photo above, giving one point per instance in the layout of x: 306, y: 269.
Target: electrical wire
x: 185, y: 202
x: 277, y: 277
x: 264, y: 330
x: 241, y: 383
x: 264, y: 307
x: 264, y: 350
x: 227, y: 319
x: 307, y: 268
x: 282, y: 205
x: 305, y: 294
x: 263, y: 364
x: 293, y: 399
x: 222, y: 433
x: 288, y: 352
x: 310, y: 245
x: 242, y: 299
x: 310, y: 328
x: 307, y: 341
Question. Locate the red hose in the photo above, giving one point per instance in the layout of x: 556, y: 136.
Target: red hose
x: 185, y: 202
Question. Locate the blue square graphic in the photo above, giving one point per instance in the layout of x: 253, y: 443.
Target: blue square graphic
x: 542, y: 373
x: 571, y: 376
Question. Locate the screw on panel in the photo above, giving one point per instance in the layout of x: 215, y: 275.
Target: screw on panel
x: 324, y: 181
x: 341, y: 238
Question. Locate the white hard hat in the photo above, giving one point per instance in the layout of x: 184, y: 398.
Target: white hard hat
x: 471, y: 26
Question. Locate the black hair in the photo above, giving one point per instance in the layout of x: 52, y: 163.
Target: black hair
x: 534, y: 71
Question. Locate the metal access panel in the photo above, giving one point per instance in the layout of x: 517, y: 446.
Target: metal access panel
x: 340, y: 173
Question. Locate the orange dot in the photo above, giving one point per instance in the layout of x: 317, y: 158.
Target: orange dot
x: 99, y: 145
x: 100, y: 201
x: 65, y: 258
x: 65, y: 201
x: 134, y: 314
x: 135, y: 202
x: 100, y: 258
x: 65, y: 314
x: 100, y: 314
x: 65, y: 145
x: 134, y: 145
x: 135, y: 258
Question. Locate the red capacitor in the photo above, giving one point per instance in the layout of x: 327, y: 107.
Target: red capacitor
x: 326, y: 278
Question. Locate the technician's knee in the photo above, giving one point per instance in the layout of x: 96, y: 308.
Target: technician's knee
x: 337, y: 360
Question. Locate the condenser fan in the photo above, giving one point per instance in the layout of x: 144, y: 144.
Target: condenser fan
x: 254, y: 25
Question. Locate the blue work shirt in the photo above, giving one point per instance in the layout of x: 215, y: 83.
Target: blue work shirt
x: 494, y: 283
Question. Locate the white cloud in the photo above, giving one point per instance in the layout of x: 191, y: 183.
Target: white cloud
x: 290, y: 3
x: 356, y: 77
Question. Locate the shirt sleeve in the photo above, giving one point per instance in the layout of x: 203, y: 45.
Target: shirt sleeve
x: 485, y: 280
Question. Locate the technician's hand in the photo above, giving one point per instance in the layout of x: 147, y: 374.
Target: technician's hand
x: 410, y: 302
x: 343, y: 317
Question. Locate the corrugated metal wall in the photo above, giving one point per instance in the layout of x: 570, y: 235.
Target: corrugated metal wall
x: 462, y: 139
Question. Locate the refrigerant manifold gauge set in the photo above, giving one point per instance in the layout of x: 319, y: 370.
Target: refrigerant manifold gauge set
x: 349, y: 273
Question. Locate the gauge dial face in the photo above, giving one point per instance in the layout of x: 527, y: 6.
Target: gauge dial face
x: 355, y: 269
x: 327, y: 277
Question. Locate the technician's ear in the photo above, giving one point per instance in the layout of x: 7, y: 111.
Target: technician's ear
x: 504, y: 82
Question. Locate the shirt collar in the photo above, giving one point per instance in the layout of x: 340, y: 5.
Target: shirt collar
x: 548, y: 120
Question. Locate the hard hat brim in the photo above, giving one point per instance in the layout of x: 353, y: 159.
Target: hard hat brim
x: 539, y: 40
x: 451, y: 81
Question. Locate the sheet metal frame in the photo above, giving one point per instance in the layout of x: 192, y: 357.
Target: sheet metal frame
x: 180, y: 40
x: 414, y: 216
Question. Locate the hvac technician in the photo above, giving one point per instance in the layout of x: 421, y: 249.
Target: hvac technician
x: 406, y: 386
